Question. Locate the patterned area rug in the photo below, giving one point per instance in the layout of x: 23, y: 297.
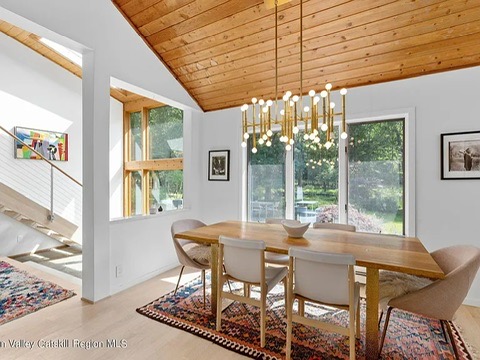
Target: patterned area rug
x: 22, y: 293
x: 408, y: 336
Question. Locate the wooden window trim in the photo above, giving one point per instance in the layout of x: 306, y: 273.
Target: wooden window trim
x: 145, y: 165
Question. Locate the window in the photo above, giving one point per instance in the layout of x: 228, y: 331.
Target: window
x: 360, y: 180
x: 153, y: 169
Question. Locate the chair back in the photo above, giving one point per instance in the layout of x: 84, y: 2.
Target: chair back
x: 334, y: 226
x: 279, y: 221
x: 178, y: 227
x: 323, y: 277
x: 243, y: 259
x: 442, y: 298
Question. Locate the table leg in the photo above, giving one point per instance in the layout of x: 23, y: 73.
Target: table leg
x: 371, y: 351
x: 214, y: 279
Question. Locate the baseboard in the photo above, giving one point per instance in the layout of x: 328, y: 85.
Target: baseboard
x: 472, y: 302
x: 136, y: 281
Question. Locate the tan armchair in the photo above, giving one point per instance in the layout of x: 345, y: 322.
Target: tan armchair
x: 442, y: 298
x: 188, y: 252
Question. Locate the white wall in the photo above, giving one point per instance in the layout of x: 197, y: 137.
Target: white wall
x: 36, y: 93
x: 447, y: 212
x: 17, y: 238
x: 116, y: 159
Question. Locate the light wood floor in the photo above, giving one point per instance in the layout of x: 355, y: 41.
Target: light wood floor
x: 115, y: 318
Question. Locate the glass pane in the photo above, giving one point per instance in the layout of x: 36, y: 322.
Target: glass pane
x: 376, y: 176
x: 136, y: 135
x: 136, y: 193
x: 166, y: 190
x: 316, y: 179
x: 166, y: 132
x: 266, y: 181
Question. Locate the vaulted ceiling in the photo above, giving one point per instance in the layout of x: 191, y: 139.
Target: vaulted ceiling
x: 222, y: 51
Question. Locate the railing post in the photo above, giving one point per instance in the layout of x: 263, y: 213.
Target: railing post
x: 51, y: 217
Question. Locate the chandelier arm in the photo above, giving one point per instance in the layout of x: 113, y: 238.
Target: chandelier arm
x: 301, y: 60
x: 276, y: 60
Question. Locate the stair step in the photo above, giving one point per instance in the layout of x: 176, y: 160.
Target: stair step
x: 29, y: 222
x: 13, y: 214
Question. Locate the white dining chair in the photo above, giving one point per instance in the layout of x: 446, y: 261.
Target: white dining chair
x: 244, y: 261
x: 326, y: 279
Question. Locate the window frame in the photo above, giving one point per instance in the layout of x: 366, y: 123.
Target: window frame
x: 145, y: 165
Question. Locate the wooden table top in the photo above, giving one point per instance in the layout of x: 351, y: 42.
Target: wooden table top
x: 389, y: 252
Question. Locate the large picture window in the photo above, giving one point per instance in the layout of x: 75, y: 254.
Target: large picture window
x: 359, y: 180
x: 153, y: 166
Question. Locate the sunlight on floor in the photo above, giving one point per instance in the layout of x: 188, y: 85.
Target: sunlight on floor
x: 63, y: 252
x: 185, y: 278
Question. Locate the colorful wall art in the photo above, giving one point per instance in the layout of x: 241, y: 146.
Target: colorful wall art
x: 52, y: 145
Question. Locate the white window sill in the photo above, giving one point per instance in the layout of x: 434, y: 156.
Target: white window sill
x: 148, y: 217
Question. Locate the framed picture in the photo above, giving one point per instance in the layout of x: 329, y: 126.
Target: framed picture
x: 219, y: 165
x: 52, y: 145
x: 461, y: 155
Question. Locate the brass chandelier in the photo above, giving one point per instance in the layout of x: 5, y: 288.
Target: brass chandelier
x: 315, y: 118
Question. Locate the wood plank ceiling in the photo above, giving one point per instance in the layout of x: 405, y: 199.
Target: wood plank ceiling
x: 33, y: 42
x: 222, y: 51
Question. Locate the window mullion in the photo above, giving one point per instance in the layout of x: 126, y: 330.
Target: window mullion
x: 289, y: 185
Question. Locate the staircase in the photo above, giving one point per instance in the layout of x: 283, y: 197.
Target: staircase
x: 28, y: 212
x: 29, y: 190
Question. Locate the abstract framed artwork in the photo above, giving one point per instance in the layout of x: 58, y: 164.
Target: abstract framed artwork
x: 52, y: 145
x: 460, y: 155
x: 219, y: 165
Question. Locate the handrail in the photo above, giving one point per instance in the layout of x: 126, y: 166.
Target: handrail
x: 41, y: 156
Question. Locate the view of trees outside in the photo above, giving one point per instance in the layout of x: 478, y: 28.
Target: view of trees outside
x: 376, y: 184
x: 376, y: 176
x: 316, y: 177
x: 266, y: 181
x: 166, y: 141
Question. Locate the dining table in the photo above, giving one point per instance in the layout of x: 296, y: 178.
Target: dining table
x: 372, y: 251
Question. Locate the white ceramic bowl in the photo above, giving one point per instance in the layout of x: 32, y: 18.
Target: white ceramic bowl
x: 294, y: 229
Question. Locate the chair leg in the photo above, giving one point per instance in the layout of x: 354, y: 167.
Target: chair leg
x: 357, y: 321
x: 443, y: 330
x: 228, y: 281
x: 385, y: 326
x: 178, y: 282
x: 203, y: 282
x: 289, y: 306
x: 246, y: 290
x: 301, y: 307
x: 263, y: 315
x: 351, y: 325
x: 219, y: 303
x: 452, y: 341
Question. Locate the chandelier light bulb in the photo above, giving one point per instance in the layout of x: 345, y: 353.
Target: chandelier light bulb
x: 282, y: 112
x: 324, y: 127
x: 244, y: 144
x: 288, y: 94
x: 311, y: 93
x: 268, y: 143
x: 291, y: 141
x: 288, y: 147
x: 328, y: 86
x: 311, y: 136
x: 264, y: 137
x: 295, y: 98
x: 254, y: 101
x: 295, y: 130
x: 332, y: 105
x: 305, y: 137
x: 328, y: 144
x: 316, y: 99
x: 269, y: 102
x: 306, y: 109
x: 285, y: 98
x: 315, y: 131
x: 246, y: 136
x: 254, y: 150
x: 261, y: 102
x: 323, y: 94
x: 265, y: 109
x: 269, y: 133
x: 261, y: 141
x: 344, y: 135
x: 317, y: 139
x: 343, y: 91
x: 291, y: 103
